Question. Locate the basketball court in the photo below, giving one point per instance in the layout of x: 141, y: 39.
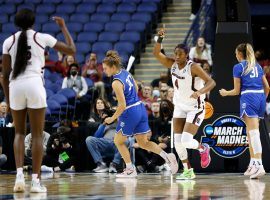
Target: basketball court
x: 146, y: 186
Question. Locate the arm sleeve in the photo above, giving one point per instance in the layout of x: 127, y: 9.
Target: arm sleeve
x: 49, y: 41
x: 237, y: 71
x: 6, y: 45
x: 84, y: 87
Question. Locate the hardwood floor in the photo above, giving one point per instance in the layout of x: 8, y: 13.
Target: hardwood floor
x: 146, y: 186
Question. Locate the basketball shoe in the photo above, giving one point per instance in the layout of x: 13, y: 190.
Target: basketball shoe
x: 186, y: 175
x: 19, y: 183
x: 128, y: 173
x: 172, y: 162
x: 205, y: 156
x: 258, y: 173
x: 36, y: 187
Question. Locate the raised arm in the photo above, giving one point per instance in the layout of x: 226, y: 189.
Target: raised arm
x: 164, y: 60
x: 68, y: 47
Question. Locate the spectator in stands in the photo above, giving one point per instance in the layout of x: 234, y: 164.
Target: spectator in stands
x: 201, y: 53
x: 170, y: 94
x: 162, y: 79
x: 3, y: 157
x: 163, y: 89
x: 55, y: 66
x: 154, y: 118
x: 102, y: 145
x: 78, y: 84
x: 61, y: 148
x: 28, y: 149
x: 5, y: 118
x: 68, y: 60
x: 94, y: 71
x: 147, y: 98
x: 99, y: 107
x: 267, y: 73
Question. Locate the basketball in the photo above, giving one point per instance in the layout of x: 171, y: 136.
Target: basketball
x: 209, y: 110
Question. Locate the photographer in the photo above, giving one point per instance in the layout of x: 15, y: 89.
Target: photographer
x: 61, y: 148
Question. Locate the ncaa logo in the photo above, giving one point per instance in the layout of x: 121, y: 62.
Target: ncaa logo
x: 226, y: 136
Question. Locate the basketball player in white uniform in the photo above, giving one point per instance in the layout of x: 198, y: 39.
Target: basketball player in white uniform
x: 190, y: 84
x: 23, y: 62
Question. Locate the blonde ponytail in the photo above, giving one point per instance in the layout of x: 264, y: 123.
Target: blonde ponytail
x: 248, y: 54
x: 251, y: 60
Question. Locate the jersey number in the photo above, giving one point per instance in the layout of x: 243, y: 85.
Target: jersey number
x: 254, y: 73
x: 28, y: 53
x: 128, y: 81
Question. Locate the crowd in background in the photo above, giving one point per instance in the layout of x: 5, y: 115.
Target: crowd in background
x: 98, y: 102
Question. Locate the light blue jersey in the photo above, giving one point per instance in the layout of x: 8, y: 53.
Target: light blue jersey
x: 253, y: 99
x: 134, y: 119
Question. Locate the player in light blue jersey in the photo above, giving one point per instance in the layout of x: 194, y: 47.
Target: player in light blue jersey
x: 131, y: 115
x: 251, y: 84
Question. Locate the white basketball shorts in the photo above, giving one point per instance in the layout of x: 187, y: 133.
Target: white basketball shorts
x: 192, y: 114
x: 27, y: 93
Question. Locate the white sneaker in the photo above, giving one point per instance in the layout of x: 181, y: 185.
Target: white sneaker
x: 19, y: 183
x: 250, y: 170
x: 172, y: 162
x: 36, y: 187
x: 45, y: 168
x: 128, y: 173
x: 258, y: 173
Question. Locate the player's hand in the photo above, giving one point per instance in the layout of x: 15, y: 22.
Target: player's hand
x: 195, y: 95
x: 161, y: 32
x: 59, y: 21
x: 223, y: 92
x: 108, y: 120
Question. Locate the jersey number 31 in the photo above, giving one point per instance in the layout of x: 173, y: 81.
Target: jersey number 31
x: 254, y: 73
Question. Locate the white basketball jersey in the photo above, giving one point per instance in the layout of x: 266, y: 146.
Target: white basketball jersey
x: 36, y: 47
x: 185, y: 85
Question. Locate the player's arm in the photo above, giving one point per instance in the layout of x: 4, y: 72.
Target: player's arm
x: 6, y: 70
x: 196, y: 70
x: 69, y: 47
x: 265, y: 86
x: 118, y: 88
x: 235, y: 91
x: 164, y: 60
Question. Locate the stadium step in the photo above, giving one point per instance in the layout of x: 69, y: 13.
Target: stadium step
x: 177, y: 24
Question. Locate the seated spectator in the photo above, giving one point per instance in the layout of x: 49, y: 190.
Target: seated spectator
x: 68, y: 60
x: 100, y: 106
x: 78, y: 84
x: 94, y: 71
x: 163, y: 89
x: 28, y: 149
x: 170, y: 94
x: 61, y: 148
x: 154, y: 118
x: 164, y: 78
x: 147, y: 98
x: 55, y: 66
x: 147, y: 161
x: 101, y: 145
x: 5, y: 118
x: 3, y: 157
x: 140, y: 86
x: 201, y: 53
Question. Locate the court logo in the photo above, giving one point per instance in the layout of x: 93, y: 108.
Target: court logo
x: 227, y: 136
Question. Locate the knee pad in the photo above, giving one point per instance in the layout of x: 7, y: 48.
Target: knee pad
x: 188, y: 141
x: 255, y: 141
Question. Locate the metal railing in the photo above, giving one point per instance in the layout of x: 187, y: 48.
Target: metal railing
x: 198, y: 25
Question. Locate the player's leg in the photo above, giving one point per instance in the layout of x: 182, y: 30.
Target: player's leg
x: 251, y: 166
x: 144, y: 143
x: 178, y: 126
x: 19, y: 120
x: 37, y: 119
x: 255, y: 141
x: 194, y: 119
